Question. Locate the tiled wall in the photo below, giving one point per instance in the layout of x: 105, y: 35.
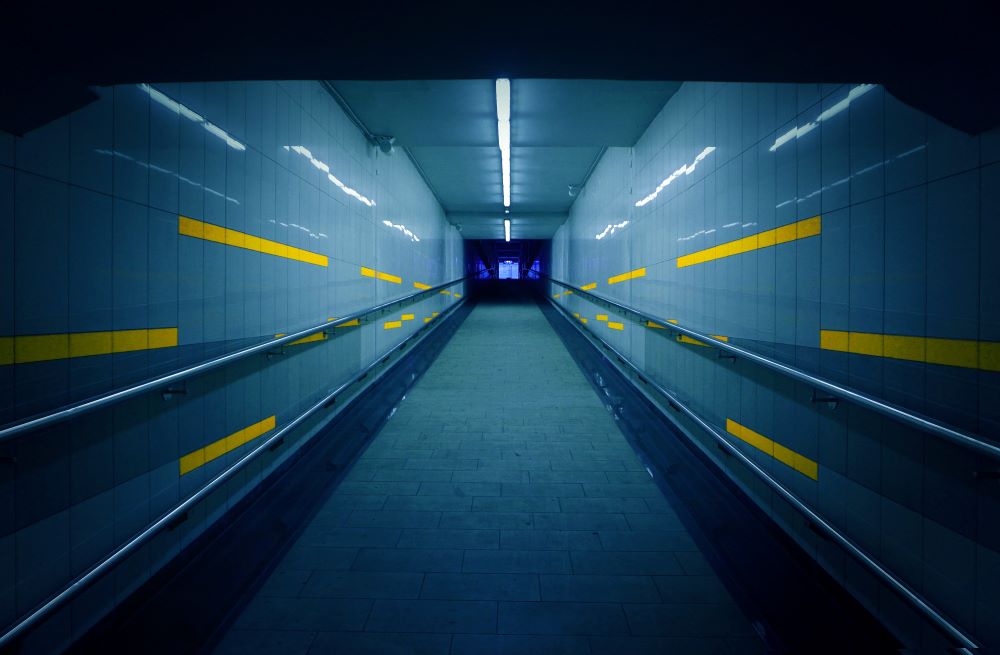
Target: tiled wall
x: 887, y: 280
x: 101, y: 284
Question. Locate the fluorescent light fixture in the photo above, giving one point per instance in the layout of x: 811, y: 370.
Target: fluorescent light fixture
x: 802, y: 130
x: 686, y: 169
x: 503, y: 133
x: 506, y: 229
x: 323, y: 167
x: 191, y: 115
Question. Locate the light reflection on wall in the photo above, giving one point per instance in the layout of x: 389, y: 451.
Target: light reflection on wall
x: 323, y: 166
x: 191, y: 115
x: 827, y: 114
x: 160, y: 169
x: 402, y: 228
x: 687, y: 169
x: 610, y: 229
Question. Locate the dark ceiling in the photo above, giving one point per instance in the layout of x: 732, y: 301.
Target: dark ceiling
x: 941, y: 58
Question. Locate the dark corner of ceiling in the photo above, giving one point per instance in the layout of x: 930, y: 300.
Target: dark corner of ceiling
x: 25, y: 109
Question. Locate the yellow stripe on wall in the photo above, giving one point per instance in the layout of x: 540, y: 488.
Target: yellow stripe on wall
x: 588, y: 287
x: 217, y: 449
x: 631, y: 275
x: 616, y: 326
x: 428, y: 319
x: 392, y: 325
x: 407, y: 317
x: 964, y: 353
x: 681, y: 338
x: 457, y: 295
x: 421, y: 285
x: 434, y: 314
x: 445, y: 292
x: 371, y: 272
x: 787, y: 456
x: 556, y: 295
x: 352, y: 323
x: 651, y: 324
x: 583, y: 320
x: 319, y: 336
x: 47, y: 347
x: 800, y: 230
x: 200, y: 230
x: 602, y: 317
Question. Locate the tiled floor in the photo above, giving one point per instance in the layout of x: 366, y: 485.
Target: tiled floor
x: 499, y: 511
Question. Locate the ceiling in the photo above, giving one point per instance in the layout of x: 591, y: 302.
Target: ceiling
x: 559, y: 128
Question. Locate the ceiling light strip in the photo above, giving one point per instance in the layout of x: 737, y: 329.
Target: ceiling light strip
x: 503, y: 134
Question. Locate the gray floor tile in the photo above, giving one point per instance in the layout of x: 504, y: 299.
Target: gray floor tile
x: 599, y: 588
x: 408, y: 560
x: 447, y: 616
x: 438, y: 538
x: 519, y: 645
x: 516, y: 561
x: 379, y: 643
x: 362, y: 584
x: 562, y: 618
x: 269, y: 613
x: 480, y: 586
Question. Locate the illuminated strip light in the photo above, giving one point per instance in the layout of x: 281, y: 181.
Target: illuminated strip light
x: 402, y: 228
x: 192, y: 116
x: 962, y: 353
x: 786, y: 456
x: 506, y: 229
x: 371, y: 272
x: 631, y: 275
x: 687, y: 169
x: 191, y: 227
x: 216, y: 449
x: 503, y: 133
x: 47, y: 347
x: 802, y: 130
x: 610, y: 229
x: 793, y: 231
x: 324, y: 167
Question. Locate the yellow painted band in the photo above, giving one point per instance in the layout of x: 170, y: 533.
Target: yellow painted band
x: 588, y: 287
x: 421, y: 285
x: 631, y: 275
x: 686, y: 339
x: 963, y: 353
x: 407, y: 317
x: 47, y: 347
x: 200, y: 230
x: 616, y: 326
x: 392, y: 325
x: 602, y: 317
x: 800, y: 230
x: 787, y: 456
x: 216, y: 449
x: 371, y: 272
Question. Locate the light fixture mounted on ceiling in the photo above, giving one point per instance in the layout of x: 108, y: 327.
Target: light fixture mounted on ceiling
x: 384, y: 142
x: 506, y: 229
x: 503, y: 134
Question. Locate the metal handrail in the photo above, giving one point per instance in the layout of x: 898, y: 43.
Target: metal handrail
x: 816, y: 520
x: 178, y: 513
x: 913, y: 419
x: 112, y: 397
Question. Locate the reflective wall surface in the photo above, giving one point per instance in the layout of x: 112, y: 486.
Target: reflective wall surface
x: 161, y: 225
x: 837, y: 229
